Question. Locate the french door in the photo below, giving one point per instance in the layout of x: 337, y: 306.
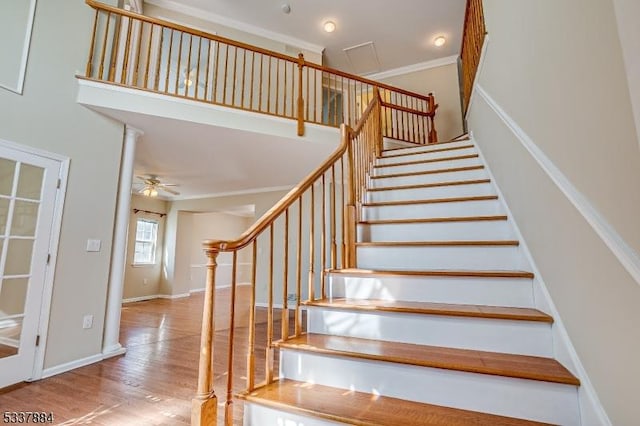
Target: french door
x: 28, y: 190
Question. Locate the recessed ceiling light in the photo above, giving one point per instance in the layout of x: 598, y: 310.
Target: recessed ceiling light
x: 329, y: 26
x: 439, y: 41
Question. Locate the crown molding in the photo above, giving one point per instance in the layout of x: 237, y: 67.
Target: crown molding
x: 440, y: 62
x: 238, y: 25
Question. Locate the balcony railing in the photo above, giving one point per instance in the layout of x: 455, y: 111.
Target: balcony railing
x: 159, y: 56
x: 472, y: 41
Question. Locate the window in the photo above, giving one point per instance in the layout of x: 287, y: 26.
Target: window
x: 146, y: 239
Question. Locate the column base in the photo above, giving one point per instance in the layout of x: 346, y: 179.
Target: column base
x: 204, y: 412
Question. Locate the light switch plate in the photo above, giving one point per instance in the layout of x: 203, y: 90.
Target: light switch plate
x: 93, y: 245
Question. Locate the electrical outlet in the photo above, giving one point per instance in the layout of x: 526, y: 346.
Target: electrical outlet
x: 93, y: 245
x: 87, y: 321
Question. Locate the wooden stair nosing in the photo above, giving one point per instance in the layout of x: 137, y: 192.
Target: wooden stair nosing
x: 430, y: 151
x: 421, y: 145
x: 436, y: 273
x: 429, y: 308
x: 431, y: 172
x: 431, y: 201
x: 434, y: 220
x: 364, y: 409
x: 433, y: 160
x: 431, y: 185
x: 462, y: 243
x: 466, y: 360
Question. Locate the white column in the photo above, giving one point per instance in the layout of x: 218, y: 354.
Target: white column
x: 111, y: 345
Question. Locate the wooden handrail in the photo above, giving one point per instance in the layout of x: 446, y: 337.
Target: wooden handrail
x: 291, y: 197
x: 470, y: 50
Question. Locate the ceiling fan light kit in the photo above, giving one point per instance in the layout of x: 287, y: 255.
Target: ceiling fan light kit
x: 152, y: 186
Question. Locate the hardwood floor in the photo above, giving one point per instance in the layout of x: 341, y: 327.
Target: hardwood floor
x: 154, y: 382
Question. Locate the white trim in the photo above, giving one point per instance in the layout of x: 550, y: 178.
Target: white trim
x: 238, y: 25
x: 560, y: 334
x: 25, y: 51
x: 11, y: 321
x: 7, y: 341
x: 626, y: 255
x: 63, y: 368
x: 155, y: 296
x: 483, y: 54
x: 421, y: 66
x: 231, y: 193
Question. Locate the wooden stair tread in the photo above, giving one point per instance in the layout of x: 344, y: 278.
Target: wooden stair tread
x: 431, y: 185
x: 436, y: 273
x: 430, y: 151
x: 430, y: 172
x: 467, y: 360
x: 429, y: 308
x: 433, y: 160
x: 364, y: 409
x: 437, y: 243
x: 421, y: 145
x: 434, y: 220
x: 431, y: 201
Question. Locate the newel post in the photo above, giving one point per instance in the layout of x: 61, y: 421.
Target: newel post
x: 300, y: 97
x: 350, y: 207
x: 433, y: 134
x: 204, y: 405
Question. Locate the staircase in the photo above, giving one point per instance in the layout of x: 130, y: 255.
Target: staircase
x: 437, y: 324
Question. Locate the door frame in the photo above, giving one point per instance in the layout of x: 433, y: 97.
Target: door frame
x: 56, y: 227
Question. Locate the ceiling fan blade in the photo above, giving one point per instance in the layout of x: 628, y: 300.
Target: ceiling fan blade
x: 170, y: 191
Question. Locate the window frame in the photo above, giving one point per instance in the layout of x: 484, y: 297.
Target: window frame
x: 153, y: 241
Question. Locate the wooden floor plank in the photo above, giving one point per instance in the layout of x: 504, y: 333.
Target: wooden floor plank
x: 493, y: 363
x: 429, y: 308
x: 364, y: 409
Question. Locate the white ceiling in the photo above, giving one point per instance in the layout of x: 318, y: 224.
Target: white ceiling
x: 401, y: 31
x: 208, y: 160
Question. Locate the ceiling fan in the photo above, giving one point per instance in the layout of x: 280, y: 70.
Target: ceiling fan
x: 188, y: 79
x: 151, y: 186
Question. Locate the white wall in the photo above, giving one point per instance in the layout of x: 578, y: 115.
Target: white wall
x: 443, y: 82
x: 47, y: 117
x: 556, y: 71
x: 144, y: 280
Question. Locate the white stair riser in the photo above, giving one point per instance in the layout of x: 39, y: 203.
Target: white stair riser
x: 391, y: 144
x: 515, y: 292
x: 423, y: 167
x: 455, y: 209
x: 472, y: 230
x: 428, y: 178
x: 426, y: 156
x: 547, y: 402
x: 454, y: 191
x: 259, y: 415
x: 441, y: 257
x: 482, y: 334
x: 426, y: 148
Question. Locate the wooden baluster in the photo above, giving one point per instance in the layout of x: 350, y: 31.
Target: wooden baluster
x: 269, y: 87
x: 104, y: 47
x: 300, y: 98
x: 260, y: 83
x: 294, y: 106
x: 433, y: 134
x: 334, y: 246
x: 277, y: 93
x: 114, y: 49
x: 244, y: 70
x: 204, y: 406
x: 308, y: 97
x: 253, y: 60
x: 92, y: 45
x: 312, y: 243
x: 323, y: 240
x: 197, y: 82
x: 285, y: 274
x: 216, y: 63
x: 147, y: 65
x: 251, y: 357
x: 228, y: 409
x: 269, y: 350
x: 350, y: 209
x: 175, y: 87
x: 187, y: 73
x: 234, y: 76
x: 225, y: 75
x: 343, y: 261
x: 284, y: 90
x: 167, y: 70
x: 298, y: 316
x: 315, y: 94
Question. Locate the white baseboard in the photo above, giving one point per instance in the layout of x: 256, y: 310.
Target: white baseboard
x: 6, y: 341
x: 589, y: 401
x: 155, y: 296
x: 63, y: 368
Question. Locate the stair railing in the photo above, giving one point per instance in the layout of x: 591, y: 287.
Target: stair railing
x: 132, y: 50
x: 311, y: 230
x: 471, y: 49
